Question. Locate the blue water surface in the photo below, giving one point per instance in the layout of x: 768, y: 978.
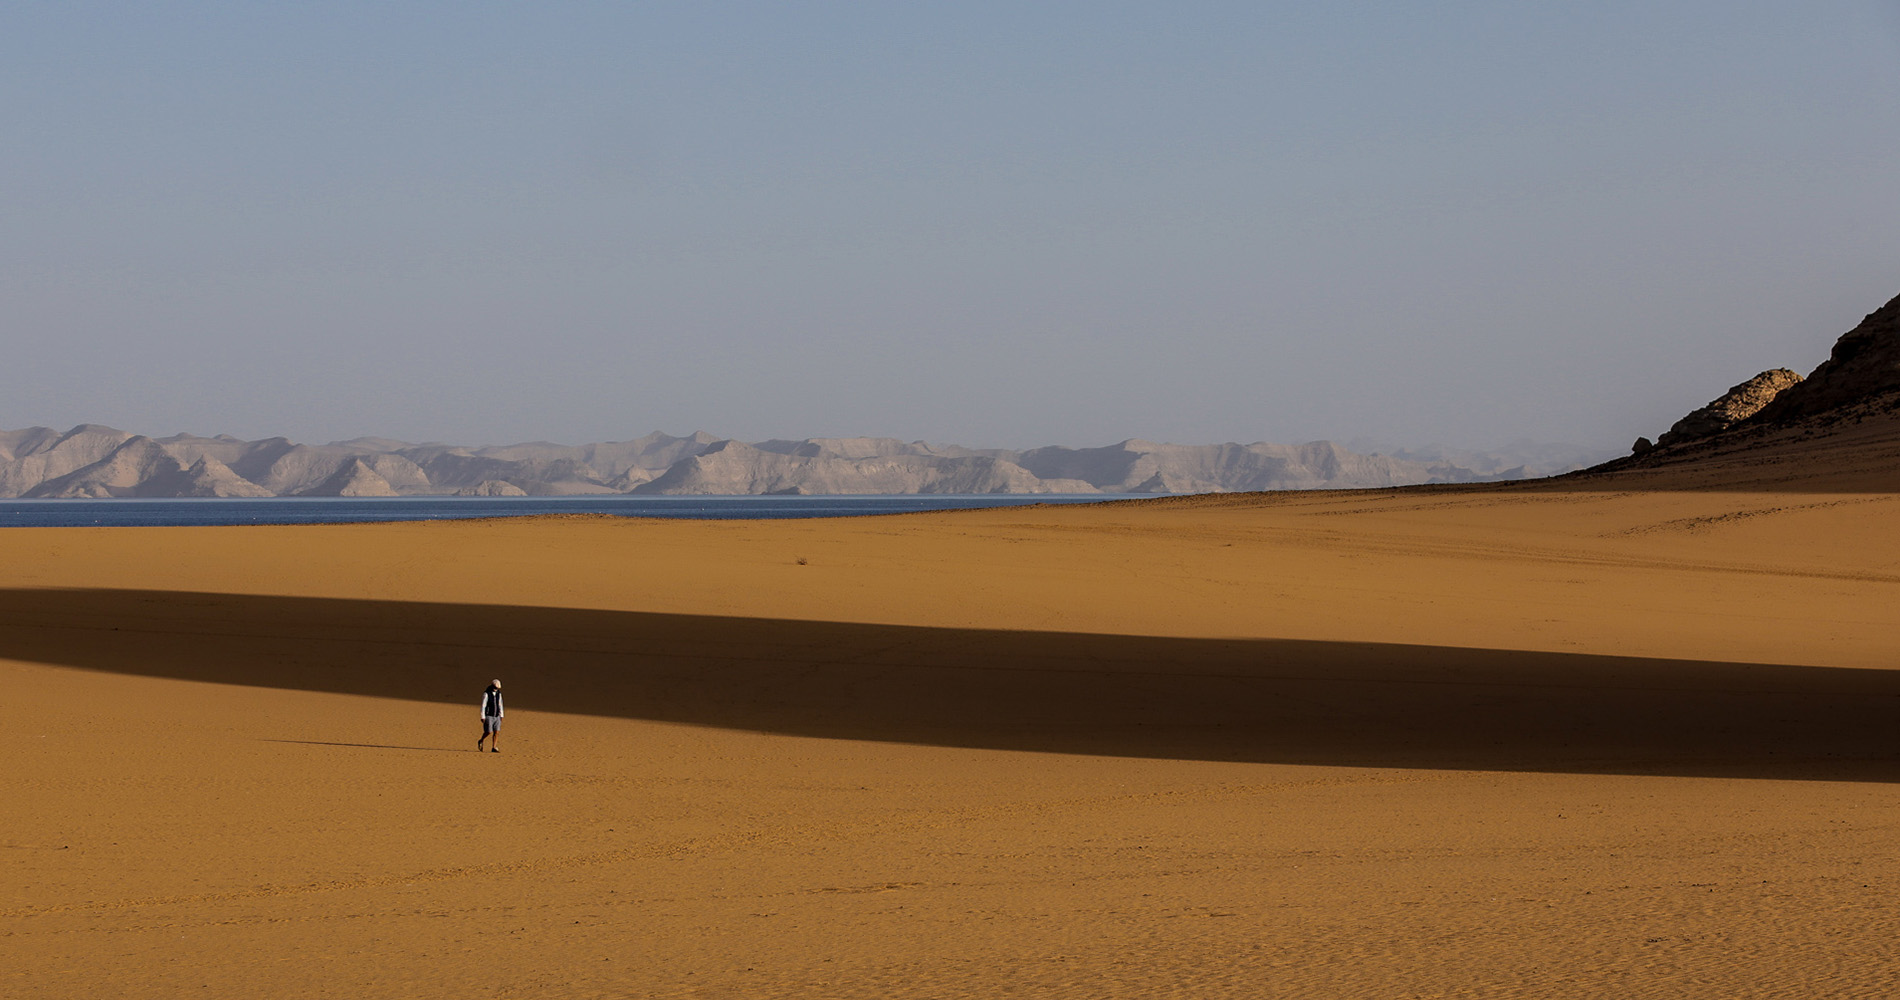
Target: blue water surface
x: 347, y: 510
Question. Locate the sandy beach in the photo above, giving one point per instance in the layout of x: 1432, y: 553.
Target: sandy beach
x: 1635, y: 735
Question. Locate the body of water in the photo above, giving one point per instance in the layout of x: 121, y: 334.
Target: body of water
x: 346, y: 510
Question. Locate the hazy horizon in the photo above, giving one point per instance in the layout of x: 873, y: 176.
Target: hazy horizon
x: 991, y: 224
x: 1361, y: 444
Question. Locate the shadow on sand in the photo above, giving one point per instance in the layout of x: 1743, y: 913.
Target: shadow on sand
x: 1275, y: 701
x: 369, y: 746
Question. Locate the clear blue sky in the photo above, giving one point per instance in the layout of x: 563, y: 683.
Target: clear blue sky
x: 990, y: 223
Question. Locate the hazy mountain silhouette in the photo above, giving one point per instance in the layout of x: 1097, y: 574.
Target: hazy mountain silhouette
x: 92, y: 460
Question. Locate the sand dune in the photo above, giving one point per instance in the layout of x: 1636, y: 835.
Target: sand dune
x: 1628, y: 735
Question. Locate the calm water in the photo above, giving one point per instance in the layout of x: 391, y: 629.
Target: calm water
x: 339, y: 510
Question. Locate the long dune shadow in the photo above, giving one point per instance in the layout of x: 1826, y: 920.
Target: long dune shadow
x: 370, y: 746
x: 1278, y: 701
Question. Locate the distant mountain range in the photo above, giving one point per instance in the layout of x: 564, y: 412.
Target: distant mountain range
x: 96, y: 461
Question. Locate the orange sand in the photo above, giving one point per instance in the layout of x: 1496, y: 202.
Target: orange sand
x: 1636, y: 736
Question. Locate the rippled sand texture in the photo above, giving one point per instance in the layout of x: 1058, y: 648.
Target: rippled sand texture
x: 1635, y: 736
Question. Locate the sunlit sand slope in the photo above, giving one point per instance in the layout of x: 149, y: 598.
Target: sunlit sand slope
x: 1635, y: 735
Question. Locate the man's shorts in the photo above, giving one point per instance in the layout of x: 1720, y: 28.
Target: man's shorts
x: 491, y: 723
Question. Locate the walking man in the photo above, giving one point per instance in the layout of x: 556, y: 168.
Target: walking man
x: 491, y: 718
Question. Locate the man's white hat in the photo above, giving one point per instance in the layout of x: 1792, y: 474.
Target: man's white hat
x: 497, y: 683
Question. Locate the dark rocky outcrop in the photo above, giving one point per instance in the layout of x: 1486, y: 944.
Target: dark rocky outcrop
x: 1857, y: 386
x: 1732, y: 407
x: 1864, y: 364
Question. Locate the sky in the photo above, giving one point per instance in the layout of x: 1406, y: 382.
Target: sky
x: 999, y: 224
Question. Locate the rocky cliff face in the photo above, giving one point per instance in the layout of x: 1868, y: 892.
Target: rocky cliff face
x: 209, y: 477
x: 731, y: 467
x: 137, y: 466
x: 1860, y: 378
x: 39, y: 454
x: 352, y: 479
x: 1734, y: 406
x: 1864, y: 364
x: 95, y: 461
